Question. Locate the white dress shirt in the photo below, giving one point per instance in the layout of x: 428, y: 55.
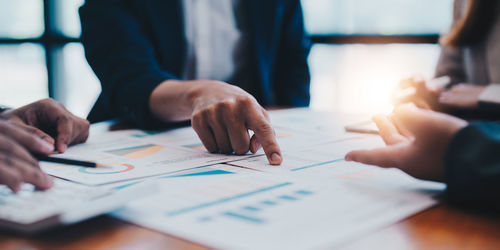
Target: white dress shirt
x: 212, y: 39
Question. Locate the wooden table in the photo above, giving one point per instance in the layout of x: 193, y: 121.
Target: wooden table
x: 441, y: 227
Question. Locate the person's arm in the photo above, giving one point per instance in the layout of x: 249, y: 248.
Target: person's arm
x: 472, y: 166
x: 123, y: 59
x: 139, y: 91
x: 450, y: 63
x: 292, y: 77
x: 473, y: 101
x: 489, y: 99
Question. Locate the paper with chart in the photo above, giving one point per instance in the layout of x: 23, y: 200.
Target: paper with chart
x: 129, y: 157
x: 313, y: 200
x: 323, y: 122
x: 217, y: 169
x: 134, y: 154
x: 302, y: 158
x: 264, y: 211
x: 287, y: 137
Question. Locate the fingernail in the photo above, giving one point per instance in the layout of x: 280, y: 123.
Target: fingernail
x: 275, y: 158
x: 48, y: 147
x: 347, y: 158
x: 16, y: 188
x: 63, y: 147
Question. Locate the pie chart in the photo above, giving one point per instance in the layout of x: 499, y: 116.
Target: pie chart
x: 111, y: 168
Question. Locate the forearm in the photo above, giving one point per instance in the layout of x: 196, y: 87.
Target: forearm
x: 172, y: 100
x: 489, y: 100
x: 129, y: 72
x: 450, y: 63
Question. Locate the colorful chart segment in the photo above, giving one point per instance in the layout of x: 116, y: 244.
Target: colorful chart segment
x: 197, y: 146
x: 120, y: 168
x: 138, y: 152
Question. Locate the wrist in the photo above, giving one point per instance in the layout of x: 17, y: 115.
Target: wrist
x: 193, y: 93
x: 173, y: 100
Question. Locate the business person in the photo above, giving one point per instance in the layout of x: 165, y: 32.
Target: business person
x: 37, y: 128
x: 470, y: 56
x: 212, y: 62
x: 438, y: 147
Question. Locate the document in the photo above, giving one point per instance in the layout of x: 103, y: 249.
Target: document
x: 135, y: 154
x: 321, y: 122
x: 302, y: 158
x: 268, y: 211
x: 288, y: 138
x: 313, y: 200
x: 129, y: 156
x: 217, y: 169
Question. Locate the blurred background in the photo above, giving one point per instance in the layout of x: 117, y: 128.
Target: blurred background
x: 361, y: 50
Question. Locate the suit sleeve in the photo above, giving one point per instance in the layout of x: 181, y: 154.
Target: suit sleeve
x: 292, y: 77
x: 473, y: 166
x: 122, y: 57
x: 450, y: 64
x: 489, y: 100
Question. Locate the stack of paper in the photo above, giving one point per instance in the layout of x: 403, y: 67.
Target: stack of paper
x: 313, y: 200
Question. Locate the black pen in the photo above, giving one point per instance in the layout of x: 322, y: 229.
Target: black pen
x: 87, y: 164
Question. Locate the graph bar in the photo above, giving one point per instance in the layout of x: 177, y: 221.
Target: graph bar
x: 244, y: 217
x: 208, y: 172
x: 316, y: 164
x: 224, y: 200
x: 304, y: 192
x: 269, y: 203
x: 288, y: 198
x: 251, y: 208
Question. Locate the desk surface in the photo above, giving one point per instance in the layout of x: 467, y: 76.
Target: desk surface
x: 441, y: 227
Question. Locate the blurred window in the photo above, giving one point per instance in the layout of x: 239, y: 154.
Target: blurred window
x: 381, y: 17
x: 21, y: 18
x: 41, y: 55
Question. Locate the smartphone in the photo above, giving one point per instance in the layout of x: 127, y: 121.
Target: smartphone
x: 367, y: 127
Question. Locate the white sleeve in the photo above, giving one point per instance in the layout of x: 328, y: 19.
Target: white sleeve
x: 491, y: 94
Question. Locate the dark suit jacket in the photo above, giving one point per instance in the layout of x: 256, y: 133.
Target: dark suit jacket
x: 133, y: 45
x: 473, y: 166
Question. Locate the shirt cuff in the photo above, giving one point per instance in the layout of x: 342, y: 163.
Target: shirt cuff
x: 491, y: 94
x: 4, y: 108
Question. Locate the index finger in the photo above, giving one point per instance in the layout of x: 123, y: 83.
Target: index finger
x: 411, y: 82
x: 64, y: 133
x: 386, y: 157
x: 387, y: 130
x: 264, y: 133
